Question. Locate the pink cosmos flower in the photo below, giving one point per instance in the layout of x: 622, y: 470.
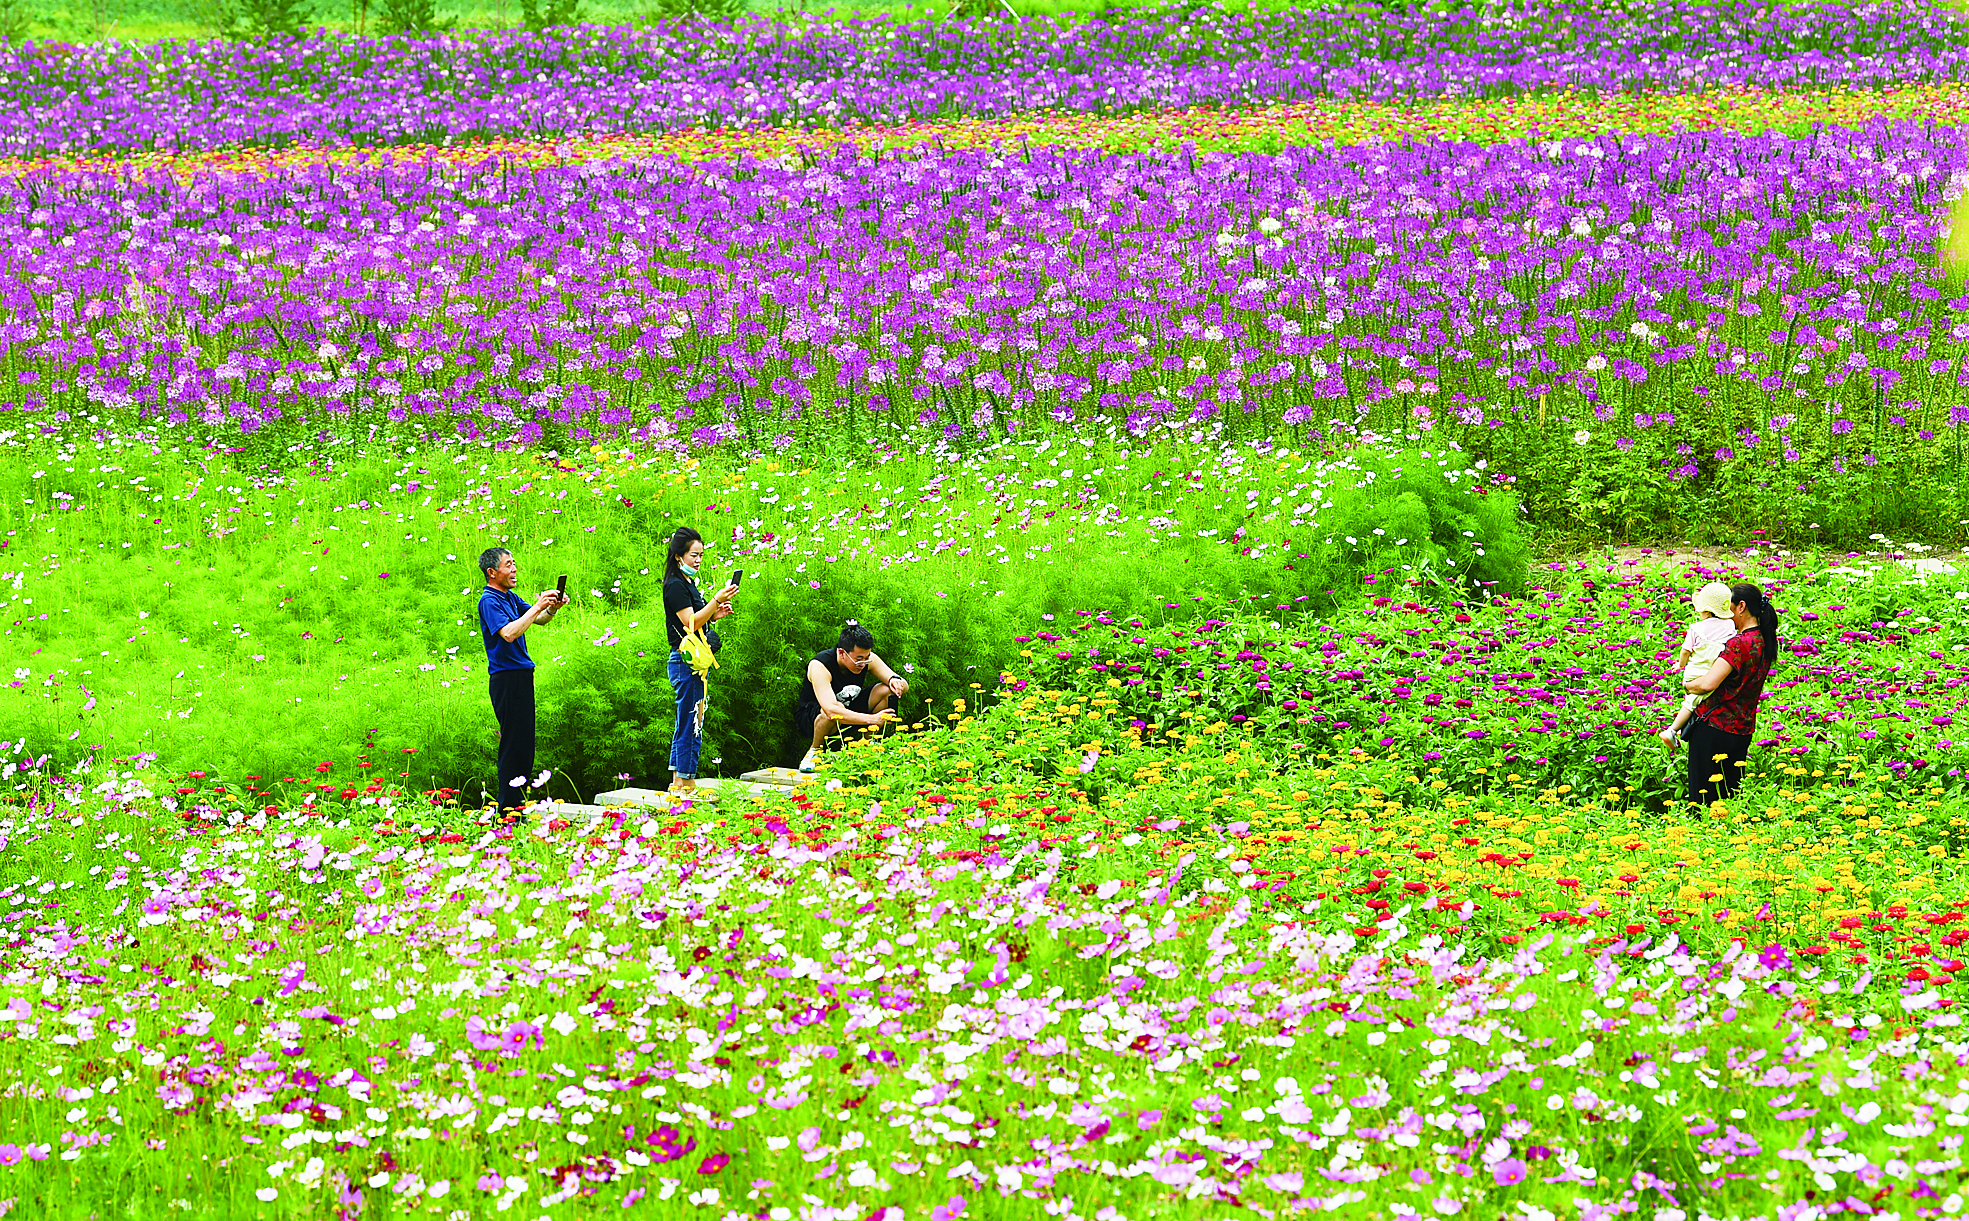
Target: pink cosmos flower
x: 669, y: 1144
x: 478, y: 1036
x: 1508, y: 1172
x: 518, y: 1035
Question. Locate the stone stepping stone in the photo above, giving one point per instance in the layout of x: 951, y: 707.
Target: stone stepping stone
x: 778, y: 777
x: 565, y: 809
x: 656, y: 799
x: 617, y: 798
x: 764, y: 783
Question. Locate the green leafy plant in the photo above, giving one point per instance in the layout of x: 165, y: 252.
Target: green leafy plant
x: 536, y: 15
x: 313, y: 609
x: 677, y: 10
x: 15, y: 18
x: 410, y: 17
x: 264, y: 18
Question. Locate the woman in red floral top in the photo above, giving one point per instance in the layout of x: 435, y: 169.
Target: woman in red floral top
x: 1719, y: 736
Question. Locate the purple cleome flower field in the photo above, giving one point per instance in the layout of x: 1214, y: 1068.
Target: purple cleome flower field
x: 1269, y: 834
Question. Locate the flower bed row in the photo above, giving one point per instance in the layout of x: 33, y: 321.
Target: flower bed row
x: 1214, y: 128
x: 819, y: 71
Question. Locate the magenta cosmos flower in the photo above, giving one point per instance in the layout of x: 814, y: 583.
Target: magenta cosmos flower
x: 519, y: 1035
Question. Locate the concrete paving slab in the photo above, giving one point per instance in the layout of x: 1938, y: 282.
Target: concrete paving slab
x: 785, y: 777
x: 633, y: 797
x: 566, y: 809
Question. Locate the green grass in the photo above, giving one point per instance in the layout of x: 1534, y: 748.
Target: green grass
x: 144, y: 22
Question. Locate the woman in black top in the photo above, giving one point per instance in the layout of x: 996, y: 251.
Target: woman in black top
x: 684, y: 611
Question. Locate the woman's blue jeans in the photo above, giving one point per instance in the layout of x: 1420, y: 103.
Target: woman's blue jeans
x: 693, y: 696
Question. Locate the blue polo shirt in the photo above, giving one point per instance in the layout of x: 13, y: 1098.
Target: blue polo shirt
x: 497, y: 608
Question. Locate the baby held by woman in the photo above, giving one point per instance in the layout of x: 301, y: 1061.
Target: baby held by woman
x: 1700, y: 649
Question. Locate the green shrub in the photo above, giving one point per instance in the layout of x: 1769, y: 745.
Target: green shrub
x: 15, y: 18
x: 676, y: 10
x: 263, y: 18
x: 249, y: 623
x: 410, y: 17
x: 536, y: 15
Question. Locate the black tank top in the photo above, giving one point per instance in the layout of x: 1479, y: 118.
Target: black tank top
x: 846, y: 683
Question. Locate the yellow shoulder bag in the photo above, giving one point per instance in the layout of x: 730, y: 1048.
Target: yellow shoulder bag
x: 697, y: 651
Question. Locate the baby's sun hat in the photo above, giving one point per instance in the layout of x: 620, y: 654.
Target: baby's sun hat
x: 1714, y: 598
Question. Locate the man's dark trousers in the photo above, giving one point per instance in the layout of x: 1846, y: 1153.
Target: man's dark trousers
x: 512, y: 704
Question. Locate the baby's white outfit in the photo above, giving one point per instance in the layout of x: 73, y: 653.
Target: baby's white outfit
x: 1705, y: 643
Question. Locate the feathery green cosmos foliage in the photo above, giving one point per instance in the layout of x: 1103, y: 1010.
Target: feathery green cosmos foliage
x: 261, y: 623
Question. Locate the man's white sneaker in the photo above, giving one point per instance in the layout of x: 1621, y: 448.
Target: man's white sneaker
x: 808, y: 760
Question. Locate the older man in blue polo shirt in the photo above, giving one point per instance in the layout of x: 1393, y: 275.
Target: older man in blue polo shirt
x: 504, y: 617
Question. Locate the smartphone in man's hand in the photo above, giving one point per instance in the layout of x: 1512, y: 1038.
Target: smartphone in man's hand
x: 737, y: 576
x: 560, y: 589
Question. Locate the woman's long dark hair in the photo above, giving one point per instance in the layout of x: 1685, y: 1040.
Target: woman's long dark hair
x: 679, y: 546
x: 1752, y: 596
